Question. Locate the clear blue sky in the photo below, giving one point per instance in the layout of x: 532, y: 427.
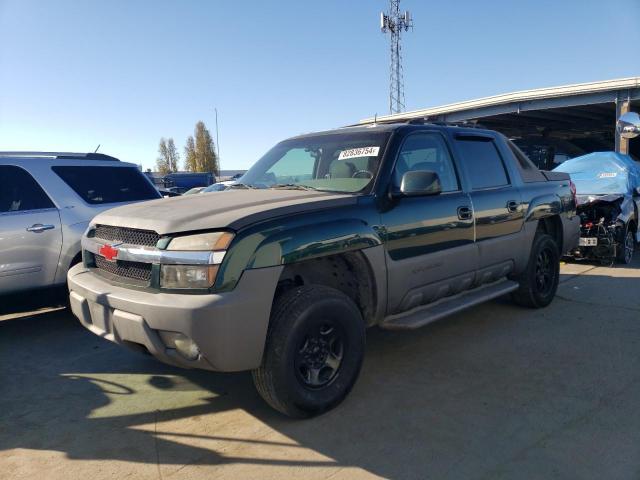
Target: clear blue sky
x: 75, y: 74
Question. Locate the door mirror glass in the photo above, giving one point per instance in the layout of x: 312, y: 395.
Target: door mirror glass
x: 420, y: 182
x: 628, y: 125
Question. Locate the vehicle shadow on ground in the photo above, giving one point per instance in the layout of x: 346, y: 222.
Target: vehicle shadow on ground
x: 478, y: 394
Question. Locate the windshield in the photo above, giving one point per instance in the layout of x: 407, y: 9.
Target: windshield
x: 341, y: 162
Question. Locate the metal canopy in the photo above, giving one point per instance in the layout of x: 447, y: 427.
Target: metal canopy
x: 579, y: 117
x: 608, y: 91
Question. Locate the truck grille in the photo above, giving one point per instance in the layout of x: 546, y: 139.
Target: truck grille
x: 122, y: 268
x: 131, y: 236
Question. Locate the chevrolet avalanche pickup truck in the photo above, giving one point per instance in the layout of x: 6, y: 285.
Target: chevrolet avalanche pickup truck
x: 394, y: 225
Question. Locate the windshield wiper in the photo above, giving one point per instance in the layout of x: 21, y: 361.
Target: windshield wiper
x: 292, y: 186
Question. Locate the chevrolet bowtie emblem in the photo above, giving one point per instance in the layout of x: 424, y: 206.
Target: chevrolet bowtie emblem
x: 109, y: 252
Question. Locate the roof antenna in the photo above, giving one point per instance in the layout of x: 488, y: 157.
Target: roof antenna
x: 375, y: 119
x: 96, y: 150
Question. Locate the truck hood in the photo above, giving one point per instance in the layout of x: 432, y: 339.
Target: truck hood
x: 232, y: 209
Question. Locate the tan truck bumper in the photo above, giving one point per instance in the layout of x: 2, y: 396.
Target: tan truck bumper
x: 229, y: 329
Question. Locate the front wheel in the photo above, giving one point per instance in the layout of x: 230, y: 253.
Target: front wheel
x: 626, y: 249
x: 314, y: 351
x: 539, y: 281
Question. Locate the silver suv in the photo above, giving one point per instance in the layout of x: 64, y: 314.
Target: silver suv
x: 46, y: 203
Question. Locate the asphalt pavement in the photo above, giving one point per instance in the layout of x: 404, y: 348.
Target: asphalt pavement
x: 495, y: 392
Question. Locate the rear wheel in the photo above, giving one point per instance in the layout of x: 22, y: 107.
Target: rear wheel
x: 314, y: 351
x: 539, y: 281
x: 626, y: 248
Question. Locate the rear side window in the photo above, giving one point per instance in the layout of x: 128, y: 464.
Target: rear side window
x: 482, y: 162
x: 98, y: 185
x: 19, y: 191
x: 523, y: 161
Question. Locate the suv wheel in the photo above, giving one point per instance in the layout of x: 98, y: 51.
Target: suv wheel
x: 314, y: 351
x: 539, y: 281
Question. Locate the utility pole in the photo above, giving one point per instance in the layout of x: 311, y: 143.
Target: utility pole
x: 395, y: 23
x: 217, y: 139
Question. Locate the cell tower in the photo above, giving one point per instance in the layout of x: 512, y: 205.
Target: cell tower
x: 395, y: 23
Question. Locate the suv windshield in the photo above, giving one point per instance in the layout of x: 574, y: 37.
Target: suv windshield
x: 340, y: 162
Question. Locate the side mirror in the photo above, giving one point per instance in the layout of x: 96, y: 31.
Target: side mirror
x: 628, y: 125
x: 420, y: 182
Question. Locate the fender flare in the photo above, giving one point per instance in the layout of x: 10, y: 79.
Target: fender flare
x: 284, y: 245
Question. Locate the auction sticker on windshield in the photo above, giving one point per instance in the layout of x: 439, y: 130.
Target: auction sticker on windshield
x: 359, y: 152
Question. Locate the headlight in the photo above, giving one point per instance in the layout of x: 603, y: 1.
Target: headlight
x: 188, y: 276
x: 213, y: 241
x: 197, y: 267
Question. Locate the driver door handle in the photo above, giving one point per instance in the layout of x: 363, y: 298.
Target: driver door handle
x: 465, y: 213
x: 39, y: 227
x: 512, y: 206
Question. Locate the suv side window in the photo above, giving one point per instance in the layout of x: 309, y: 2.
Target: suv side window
x: 482, y: 162
x: 426, y: 151
x: 19, y: 191
x: 97, y: 185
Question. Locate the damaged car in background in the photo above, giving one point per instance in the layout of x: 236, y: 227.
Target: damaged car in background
x: 608, y: 196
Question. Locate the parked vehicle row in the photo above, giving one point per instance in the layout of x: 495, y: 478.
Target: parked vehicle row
x: 393, y: 225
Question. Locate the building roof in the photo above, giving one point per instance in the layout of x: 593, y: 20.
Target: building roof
x: 592, y: 90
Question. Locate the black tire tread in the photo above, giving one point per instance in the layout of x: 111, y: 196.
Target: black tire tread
x: 525, y: 295
x: 293, y: 302
x: 262, y: 377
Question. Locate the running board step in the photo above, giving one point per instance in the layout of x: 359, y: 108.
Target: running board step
x: 421, y: 316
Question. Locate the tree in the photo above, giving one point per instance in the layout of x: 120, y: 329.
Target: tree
x: 168, y: 157
x: 162, y: 165
x: 172, y: 155
x: 190, y: 155
x: 200, y: 155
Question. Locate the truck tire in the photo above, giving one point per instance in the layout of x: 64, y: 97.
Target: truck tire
x: 626, y: 248
x: 314, y: 351
x: 539, y: 281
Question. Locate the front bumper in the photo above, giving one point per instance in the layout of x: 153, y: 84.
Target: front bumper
x: 229, y: 328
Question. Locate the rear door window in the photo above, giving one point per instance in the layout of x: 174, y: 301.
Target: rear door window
x: 97, y: 185
x: 20, y: 192
x: 482, y: 162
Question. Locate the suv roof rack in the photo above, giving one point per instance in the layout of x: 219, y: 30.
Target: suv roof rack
x: 61, y: 155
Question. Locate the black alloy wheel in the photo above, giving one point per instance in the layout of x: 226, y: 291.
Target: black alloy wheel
x: 320, y: 354
x: 544, y: 271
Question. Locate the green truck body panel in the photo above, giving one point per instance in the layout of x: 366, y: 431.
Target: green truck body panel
x: 286, y: 240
